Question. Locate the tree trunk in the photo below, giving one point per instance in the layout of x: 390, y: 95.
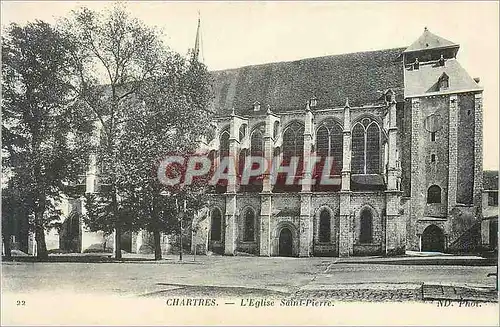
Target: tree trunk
x: 118, y: 227
x: 41, y: 247
x: 118, y: 242
x: 6, y: 246
x: 157, y: 241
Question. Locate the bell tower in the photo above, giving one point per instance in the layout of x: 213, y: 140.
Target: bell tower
x: 446, y: 146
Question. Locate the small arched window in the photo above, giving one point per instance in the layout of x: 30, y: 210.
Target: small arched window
x: 444, y: 82
x: 366, y: 223
x: 249, y: 231
x: 216, y: 227
x: 434, y: 194
x: 324, y: 226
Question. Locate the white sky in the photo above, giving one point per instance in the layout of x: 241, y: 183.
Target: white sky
x: 243, y: 33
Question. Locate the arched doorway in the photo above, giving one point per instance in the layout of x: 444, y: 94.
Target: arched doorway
x: 433, y: 239
x: 216, y: 237
x: 285, y: 243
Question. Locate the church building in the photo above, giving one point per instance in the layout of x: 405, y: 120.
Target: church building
x: 404, y: 127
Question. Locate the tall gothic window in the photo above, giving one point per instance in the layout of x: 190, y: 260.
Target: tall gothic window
x: 329, y: 144
x: 366, y: 223
x: 293, y: 146
x: 366, y: 147
x: 221, y: 186
x: 241, y: 161
x: 224, y: 143
x: 216, y: 227
x: 293, y: 140
x: 256, y: 150
x: 257, y: 140
x: 324, y: 226
x: 276, y: 127
x: 434, y: 194
x: 249, y: 231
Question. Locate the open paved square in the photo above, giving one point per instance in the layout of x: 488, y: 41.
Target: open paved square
x: 217, y: 276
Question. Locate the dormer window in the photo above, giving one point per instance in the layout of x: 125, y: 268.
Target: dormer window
x: 416, y: 64
x: 256, y: 106
x: 441, y: 61
x: 444, y: 82
x: 313, y: 102
x: 389, y: 96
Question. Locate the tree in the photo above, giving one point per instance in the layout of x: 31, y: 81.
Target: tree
x: 171, y: 117
x: 44, y: 130
x: 116, y: 54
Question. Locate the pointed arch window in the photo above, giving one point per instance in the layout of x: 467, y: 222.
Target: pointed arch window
x: 292, y: 146
x: 366, y: 226
x: 221, y: 186
x: 293, y: 141
x: 329, y: 144
x: 256, y: 150
x: 276, y: 127
x: 257, y: 140
x: 224, y: 143
x: 325, y: 226
x: 366, y: 155
x: 249, y: 230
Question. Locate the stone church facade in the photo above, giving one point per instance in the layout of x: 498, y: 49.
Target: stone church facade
x: 404, y: 127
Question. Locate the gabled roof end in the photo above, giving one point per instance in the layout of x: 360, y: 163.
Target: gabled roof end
x: 428, y: 41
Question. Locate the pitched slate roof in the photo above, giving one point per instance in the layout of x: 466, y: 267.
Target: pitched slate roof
x: 424, y: 80
x: 428, y: 41
x: 285, y: 86
x: 490, y: 180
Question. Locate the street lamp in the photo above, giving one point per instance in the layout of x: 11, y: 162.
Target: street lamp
x: 181, y: 218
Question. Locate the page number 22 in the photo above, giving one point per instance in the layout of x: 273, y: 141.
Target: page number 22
x: 20, y: 303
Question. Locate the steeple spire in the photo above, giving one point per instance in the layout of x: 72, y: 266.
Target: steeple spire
x: 197, y: 40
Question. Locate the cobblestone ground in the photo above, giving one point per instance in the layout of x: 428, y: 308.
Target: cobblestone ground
x: 351, y: 294
x: 455, y: 293
x: 371, y: 295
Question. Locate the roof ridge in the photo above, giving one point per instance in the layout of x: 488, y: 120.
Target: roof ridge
x: 310, y: 58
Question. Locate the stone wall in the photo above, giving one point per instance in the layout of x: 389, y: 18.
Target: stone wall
x: 375, y: 202
x: 465, y: 149
x: 331, y: 203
